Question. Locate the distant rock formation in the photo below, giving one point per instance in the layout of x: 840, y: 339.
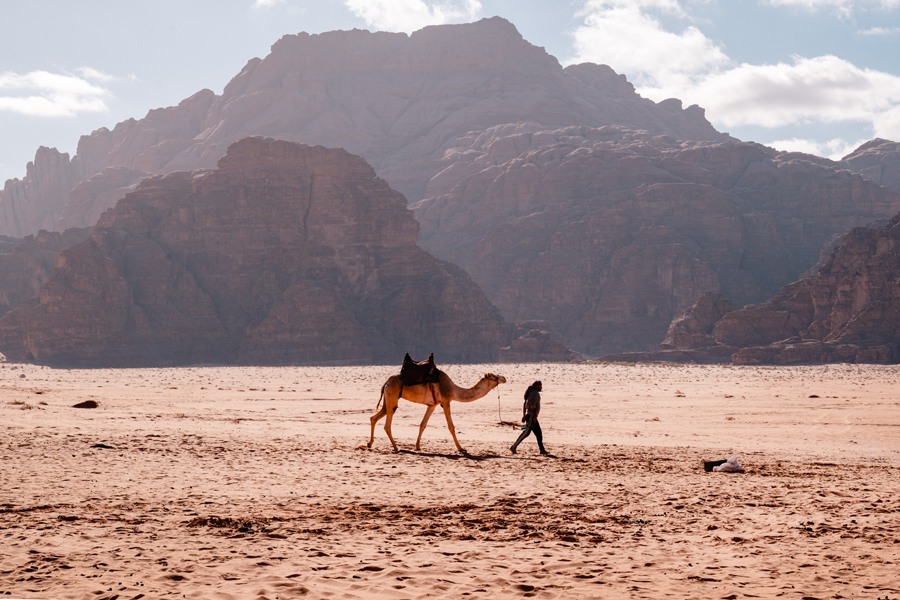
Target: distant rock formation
x: 27, y: 264
x: 608, y: 233
x: 848, y: 311
x: 567, y: 196
x: 35, y: 202
x: 689, y: 338
x: 284, y: 254
x: 397, y: 100
x: 534, y: 342
x: 878, y: 160
x: 693, y: 327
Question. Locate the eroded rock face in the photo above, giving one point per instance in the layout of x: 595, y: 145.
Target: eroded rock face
x: 878, y: 160
x: 90, y: 198
x: 605, y: 231
x: 283, y: 254
x: 397, y: 100
x: 608, y: 232
x: 693, y: 327
x: 35, y: 202
x: 533, y: 341
x: 849, y: 311
x: 27, y: 264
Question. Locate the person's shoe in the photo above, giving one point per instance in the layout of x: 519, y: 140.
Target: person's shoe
x: 512, y: 449
x: 544, y: 452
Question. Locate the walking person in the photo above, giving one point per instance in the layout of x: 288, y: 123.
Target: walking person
x: 530, y: 411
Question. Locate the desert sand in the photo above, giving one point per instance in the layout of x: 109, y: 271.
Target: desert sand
x: 256, y: 483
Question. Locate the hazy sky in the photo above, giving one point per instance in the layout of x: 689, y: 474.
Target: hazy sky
x: 820, y: 76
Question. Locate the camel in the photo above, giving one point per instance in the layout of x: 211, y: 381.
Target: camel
x: 431, y: 395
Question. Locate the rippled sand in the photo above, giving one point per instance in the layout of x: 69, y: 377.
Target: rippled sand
x: 256, y: 483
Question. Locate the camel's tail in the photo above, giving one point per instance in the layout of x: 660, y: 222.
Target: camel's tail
x: 380, y: 398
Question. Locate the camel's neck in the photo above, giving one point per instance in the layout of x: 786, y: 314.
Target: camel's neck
x: 479, y: 390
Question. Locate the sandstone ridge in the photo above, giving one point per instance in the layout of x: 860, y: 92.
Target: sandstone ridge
x: 608, y: 233
x: 847, y: 311
x: 397, y: 100
x: 284, y: 254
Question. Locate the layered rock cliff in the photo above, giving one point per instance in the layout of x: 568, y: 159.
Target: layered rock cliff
x: 608, y: 233
x: 36, y: 201
x: 27, y: 264
x: 397, y: 100
x: 283, y: 254
x: 847, y: 311
x: 534, y: 342
x: 566, y: 195
x: 878, y: 160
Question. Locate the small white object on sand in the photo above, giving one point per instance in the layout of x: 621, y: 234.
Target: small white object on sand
x: 729, y: 466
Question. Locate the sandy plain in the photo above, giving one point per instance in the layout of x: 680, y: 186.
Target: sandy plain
x: 230, y: 483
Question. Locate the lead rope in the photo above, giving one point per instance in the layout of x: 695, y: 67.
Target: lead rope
x: 499, y: 415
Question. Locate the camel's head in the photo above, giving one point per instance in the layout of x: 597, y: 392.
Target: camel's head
x: 496, y: 378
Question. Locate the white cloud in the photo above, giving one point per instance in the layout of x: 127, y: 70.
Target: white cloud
x: 844, y: 7
x: 685, y: 64
x: 626, y: 37
x: 835, y: 149
x: 410, y: 15
x: 821, y: 89
x: 887, y: 124
x: 45, y: 94
x: 266, y: 3
x: 95, y: 74
x: 878, y: 31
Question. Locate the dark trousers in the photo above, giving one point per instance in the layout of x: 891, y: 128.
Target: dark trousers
x: 531, y: 426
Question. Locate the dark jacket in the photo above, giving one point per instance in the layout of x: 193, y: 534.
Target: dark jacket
x: 532, y: 406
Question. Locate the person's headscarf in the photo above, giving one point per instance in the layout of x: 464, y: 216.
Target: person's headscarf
x: 536, y: 385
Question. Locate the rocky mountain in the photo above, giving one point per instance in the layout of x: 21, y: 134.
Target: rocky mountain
x: 535, y: 342
x: 608, y: 233
x: 397, y: 100
x: 27, y: 264
x: 283, y: 254
x: 878, y: 160
x: 36, y: 202
x: 568, y: 198
x: 689, y: 338
x: 848, y: 311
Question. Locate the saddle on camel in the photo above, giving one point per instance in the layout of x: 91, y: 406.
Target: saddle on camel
x: 414, y: 373
x: 419, y: 373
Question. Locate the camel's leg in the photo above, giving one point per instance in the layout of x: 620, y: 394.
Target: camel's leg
x: 390, y: 405
x: 424, y: 423
x: 374, y: 420
x: 450, y: 426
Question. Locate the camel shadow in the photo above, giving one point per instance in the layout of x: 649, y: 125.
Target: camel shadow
x: 480, y: 457
x: 454, y: 456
